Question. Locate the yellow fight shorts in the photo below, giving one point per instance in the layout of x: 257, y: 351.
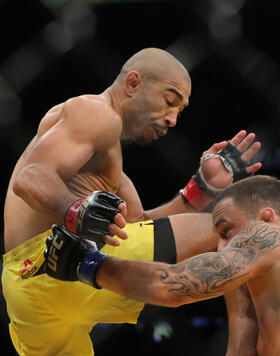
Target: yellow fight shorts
x: 49, y: 317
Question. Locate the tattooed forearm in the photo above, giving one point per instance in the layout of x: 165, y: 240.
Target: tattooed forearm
x: 209, y: 274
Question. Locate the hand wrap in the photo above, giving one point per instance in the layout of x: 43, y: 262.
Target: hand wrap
x: 90, y: 218
x: 69, y: 258
x: 198, y: 193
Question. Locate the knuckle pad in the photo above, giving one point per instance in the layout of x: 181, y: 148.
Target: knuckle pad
x: 98, y: 215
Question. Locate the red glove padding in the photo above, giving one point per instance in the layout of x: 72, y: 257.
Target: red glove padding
x: 195, y: 196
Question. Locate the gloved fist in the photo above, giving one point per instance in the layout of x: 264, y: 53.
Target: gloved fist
x: 92, y: 217
x: 69, y: 258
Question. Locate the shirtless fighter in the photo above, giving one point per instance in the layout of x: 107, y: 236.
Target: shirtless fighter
x: 246, y: 217
x: 69, y: 174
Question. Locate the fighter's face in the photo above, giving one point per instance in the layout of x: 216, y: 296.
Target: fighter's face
x: 155, y: 108
x: 228, y: 221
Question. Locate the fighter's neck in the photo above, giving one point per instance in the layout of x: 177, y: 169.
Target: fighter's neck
x: 112, y: 97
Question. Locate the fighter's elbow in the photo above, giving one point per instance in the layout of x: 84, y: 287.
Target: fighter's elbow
x: 170, y: 299
x: 23, y: 181
x: 19, y: 185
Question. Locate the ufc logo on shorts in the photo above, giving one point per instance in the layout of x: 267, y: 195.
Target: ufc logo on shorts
x: 52, y: 257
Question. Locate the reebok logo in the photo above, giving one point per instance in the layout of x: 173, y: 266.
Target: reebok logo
x: 28, y: 270
x: 27, y: 265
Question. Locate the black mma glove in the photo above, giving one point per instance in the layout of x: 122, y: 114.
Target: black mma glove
x: 90, y: 218
x: 69, y: 258
x: 234, y: 164
x: 198, y: 193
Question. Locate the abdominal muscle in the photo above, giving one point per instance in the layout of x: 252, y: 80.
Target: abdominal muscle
x: 23, y: 223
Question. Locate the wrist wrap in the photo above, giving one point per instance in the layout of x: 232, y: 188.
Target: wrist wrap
x: 89, y: 266
x: 194, y: 195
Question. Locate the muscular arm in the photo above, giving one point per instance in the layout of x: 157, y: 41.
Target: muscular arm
x: 205, y: 276
x: 59, y: 152
x: 214, y: 173
x: 173, y: 207
x: 135, y: 211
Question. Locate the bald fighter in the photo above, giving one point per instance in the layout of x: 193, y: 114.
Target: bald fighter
x: 71, y: 174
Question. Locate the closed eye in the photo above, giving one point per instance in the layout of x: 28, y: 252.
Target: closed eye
x: 169, y: 103
x: 224, y: 234
x: 222, y: 231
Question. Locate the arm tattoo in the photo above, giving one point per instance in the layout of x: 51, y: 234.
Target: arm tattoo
x: 208, y: 274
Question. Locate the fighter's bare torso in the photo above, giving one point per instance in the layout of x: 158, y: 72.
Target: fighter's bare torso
x: 102, y: 171
x: 265, y: 293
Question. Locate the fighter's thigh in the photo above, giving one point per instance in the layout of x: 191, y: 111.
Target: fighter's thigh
x: 43, y: 321
x: 138, y: 246
x: 193, y: 234
x: 55, y: 337
x: 151, y: 240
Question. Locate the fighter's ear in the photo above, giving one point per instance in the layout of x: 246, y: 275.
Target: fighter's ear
x: 267, y: 214
x: 133, y: 80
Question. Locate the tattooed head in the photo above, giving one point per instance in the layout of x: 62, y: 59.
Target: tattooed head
x: 253, y: 193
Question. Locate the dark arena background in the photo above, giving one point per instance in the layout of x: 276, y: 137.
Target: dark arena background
x: 53, y: 50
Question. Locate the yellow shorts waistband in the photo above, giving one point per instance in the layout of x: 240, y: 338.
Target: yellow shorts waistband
x: 26, y: 248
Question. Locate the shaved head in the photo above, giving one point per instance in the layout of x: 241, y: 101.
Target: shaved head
x: 156, y: 64
x: 151, y: 90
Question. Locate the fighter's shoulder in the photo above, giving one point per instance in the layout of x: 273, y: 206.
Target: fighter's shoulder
x: 258, y: 244
x: 94, y: 118
x: 92, y: 107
